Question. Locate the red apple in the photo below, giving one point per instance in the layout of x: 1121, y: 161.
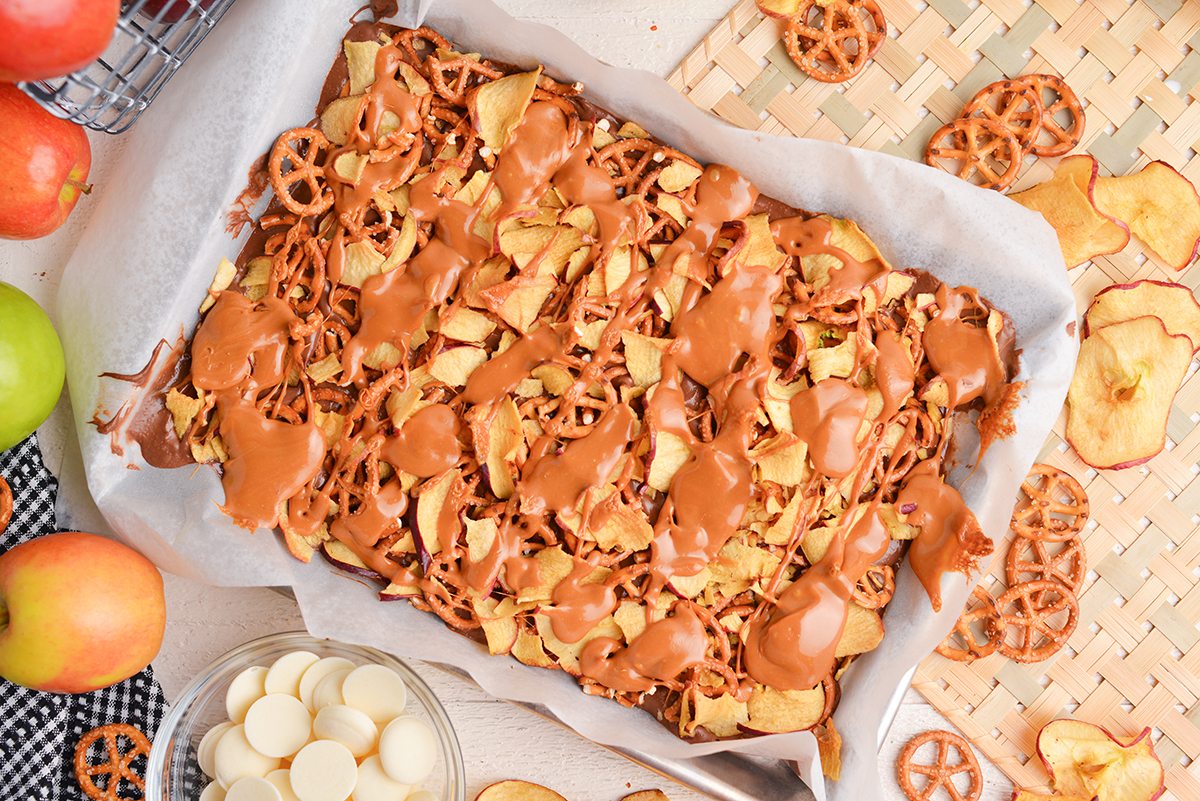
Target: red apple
x: 77, y: 612
x: 44, y: 163
x: 175, y: 9
x: 42, y: 39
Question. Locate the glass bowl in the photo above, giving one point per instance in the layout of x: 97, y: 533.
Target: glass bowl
x: 173, y: 773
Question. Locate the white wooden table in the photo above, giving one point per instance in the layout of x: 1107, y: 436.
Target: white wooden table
x: 499, y: 741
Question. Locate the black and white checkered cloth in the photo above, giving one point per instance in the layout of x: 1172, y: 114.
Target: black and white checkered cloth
x: 38, y: 731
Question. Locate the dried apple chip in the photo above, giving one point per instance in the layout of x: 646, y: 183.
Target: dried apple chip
x: 863, y: 631
x: 1083, y: 232
x: 528, y: 649
x: 1120, y: 396
x: 360, y: 63
x: 498, y: 106
x: 774, y: 710
x: 1173, y: 304
x: 722, y: 716
x: 1160, y: 206
x: 340, y: 118
x: 1085, y: 760
x: 515, y: 790
x: 829, y: 746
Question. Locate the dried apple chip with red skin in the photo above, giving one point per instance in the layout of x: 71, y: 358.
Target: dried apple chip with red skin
x: 1083, y: 232
x: 1081, y: 168
x: 829, y: 747
x: 1026, y: 795
x: 1087, y: 761
x: 1160, y: 206
x: 646, y: 795
x: 779, y: 9
x: 498, y: 106
x: 517, y: 790
x: 1172, y: 303
x: 1120, y: 396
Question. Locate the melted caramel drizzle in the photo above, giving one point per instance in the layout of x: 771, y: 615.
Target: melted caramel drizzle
x: 663, y: 651
x: 963, y: 354
x: 556, y: 481
x: 579, y: 607
x: 950, y: 536
x: 269, y: 462
x: 827, y: 417
x: 427, y: 444
x: 242, y: 342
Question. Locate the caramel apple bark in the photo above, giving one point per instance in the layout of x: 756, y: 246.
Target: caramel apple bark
x: 598, y: 405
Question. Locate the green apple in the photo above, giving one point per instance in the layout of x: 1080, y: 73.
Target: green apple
x: 77, y: 612
x: 31, y: 366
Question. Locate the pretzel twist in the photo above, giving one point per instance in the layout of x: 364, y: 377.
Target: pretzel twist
x: 117, y: 768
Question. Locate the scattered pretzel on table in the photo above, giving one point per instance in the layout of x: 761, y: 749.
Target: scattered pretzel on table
x: 831, y: 46
x: 1063, y: 140
x: 6, y: 504
x: 1057, y: 509
x: 1018, y: 106
x: 1012, y: 104
x: 980, y: 151
x: 1035, y: 604
x: 117, y: 768
x: 1058, y: 567
x: 1067, y: 566
x: 942, y: 772
x: 832, y: 40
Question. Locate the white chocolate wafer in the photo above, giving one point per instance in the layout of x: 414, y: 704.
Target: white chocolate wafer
x: 253, y: 788
x: 278, y: 725
x: 375, y: 785
x: 282, y: 779
x: 377, y: 690
x: 234, y: 758
x: 408, y: 749
x: 317, y: 671
x: 348, y: 726
x: 329, y: 689
x: 213, y: 792
x: 246, y: 688
x: 421, y: 795
x: 204, y: 751
x: 324, y: 771
x: 284, y: 675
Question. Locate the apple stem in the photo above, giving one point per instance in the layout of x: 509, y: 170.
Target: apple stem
x: 82, y: 187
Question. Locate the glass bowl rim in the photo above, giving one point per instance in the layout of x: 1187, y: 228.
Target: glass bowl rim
x: 158, y: 758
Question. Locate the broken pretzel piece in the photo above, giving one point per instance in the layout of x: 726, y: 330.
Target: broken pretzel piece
x: 986, y: 613
x: 6, y: 504
x: 1057, y: 509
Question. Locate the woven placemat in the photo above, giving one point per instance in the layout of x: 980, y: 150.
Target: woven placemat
x: 1134, y: 660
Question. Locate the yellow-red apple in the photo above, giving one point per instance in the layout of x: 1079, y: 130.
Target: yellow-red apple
x: 44, y: 163
x: 77, y: 612
x: 42, y: 39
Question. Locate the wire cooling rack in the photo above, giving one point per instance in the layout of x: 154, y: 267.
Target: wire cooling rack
x: 147, y: 47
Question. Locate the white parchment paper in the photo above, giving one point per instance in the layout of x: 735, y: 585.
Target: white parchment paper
x: 155, y: 239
